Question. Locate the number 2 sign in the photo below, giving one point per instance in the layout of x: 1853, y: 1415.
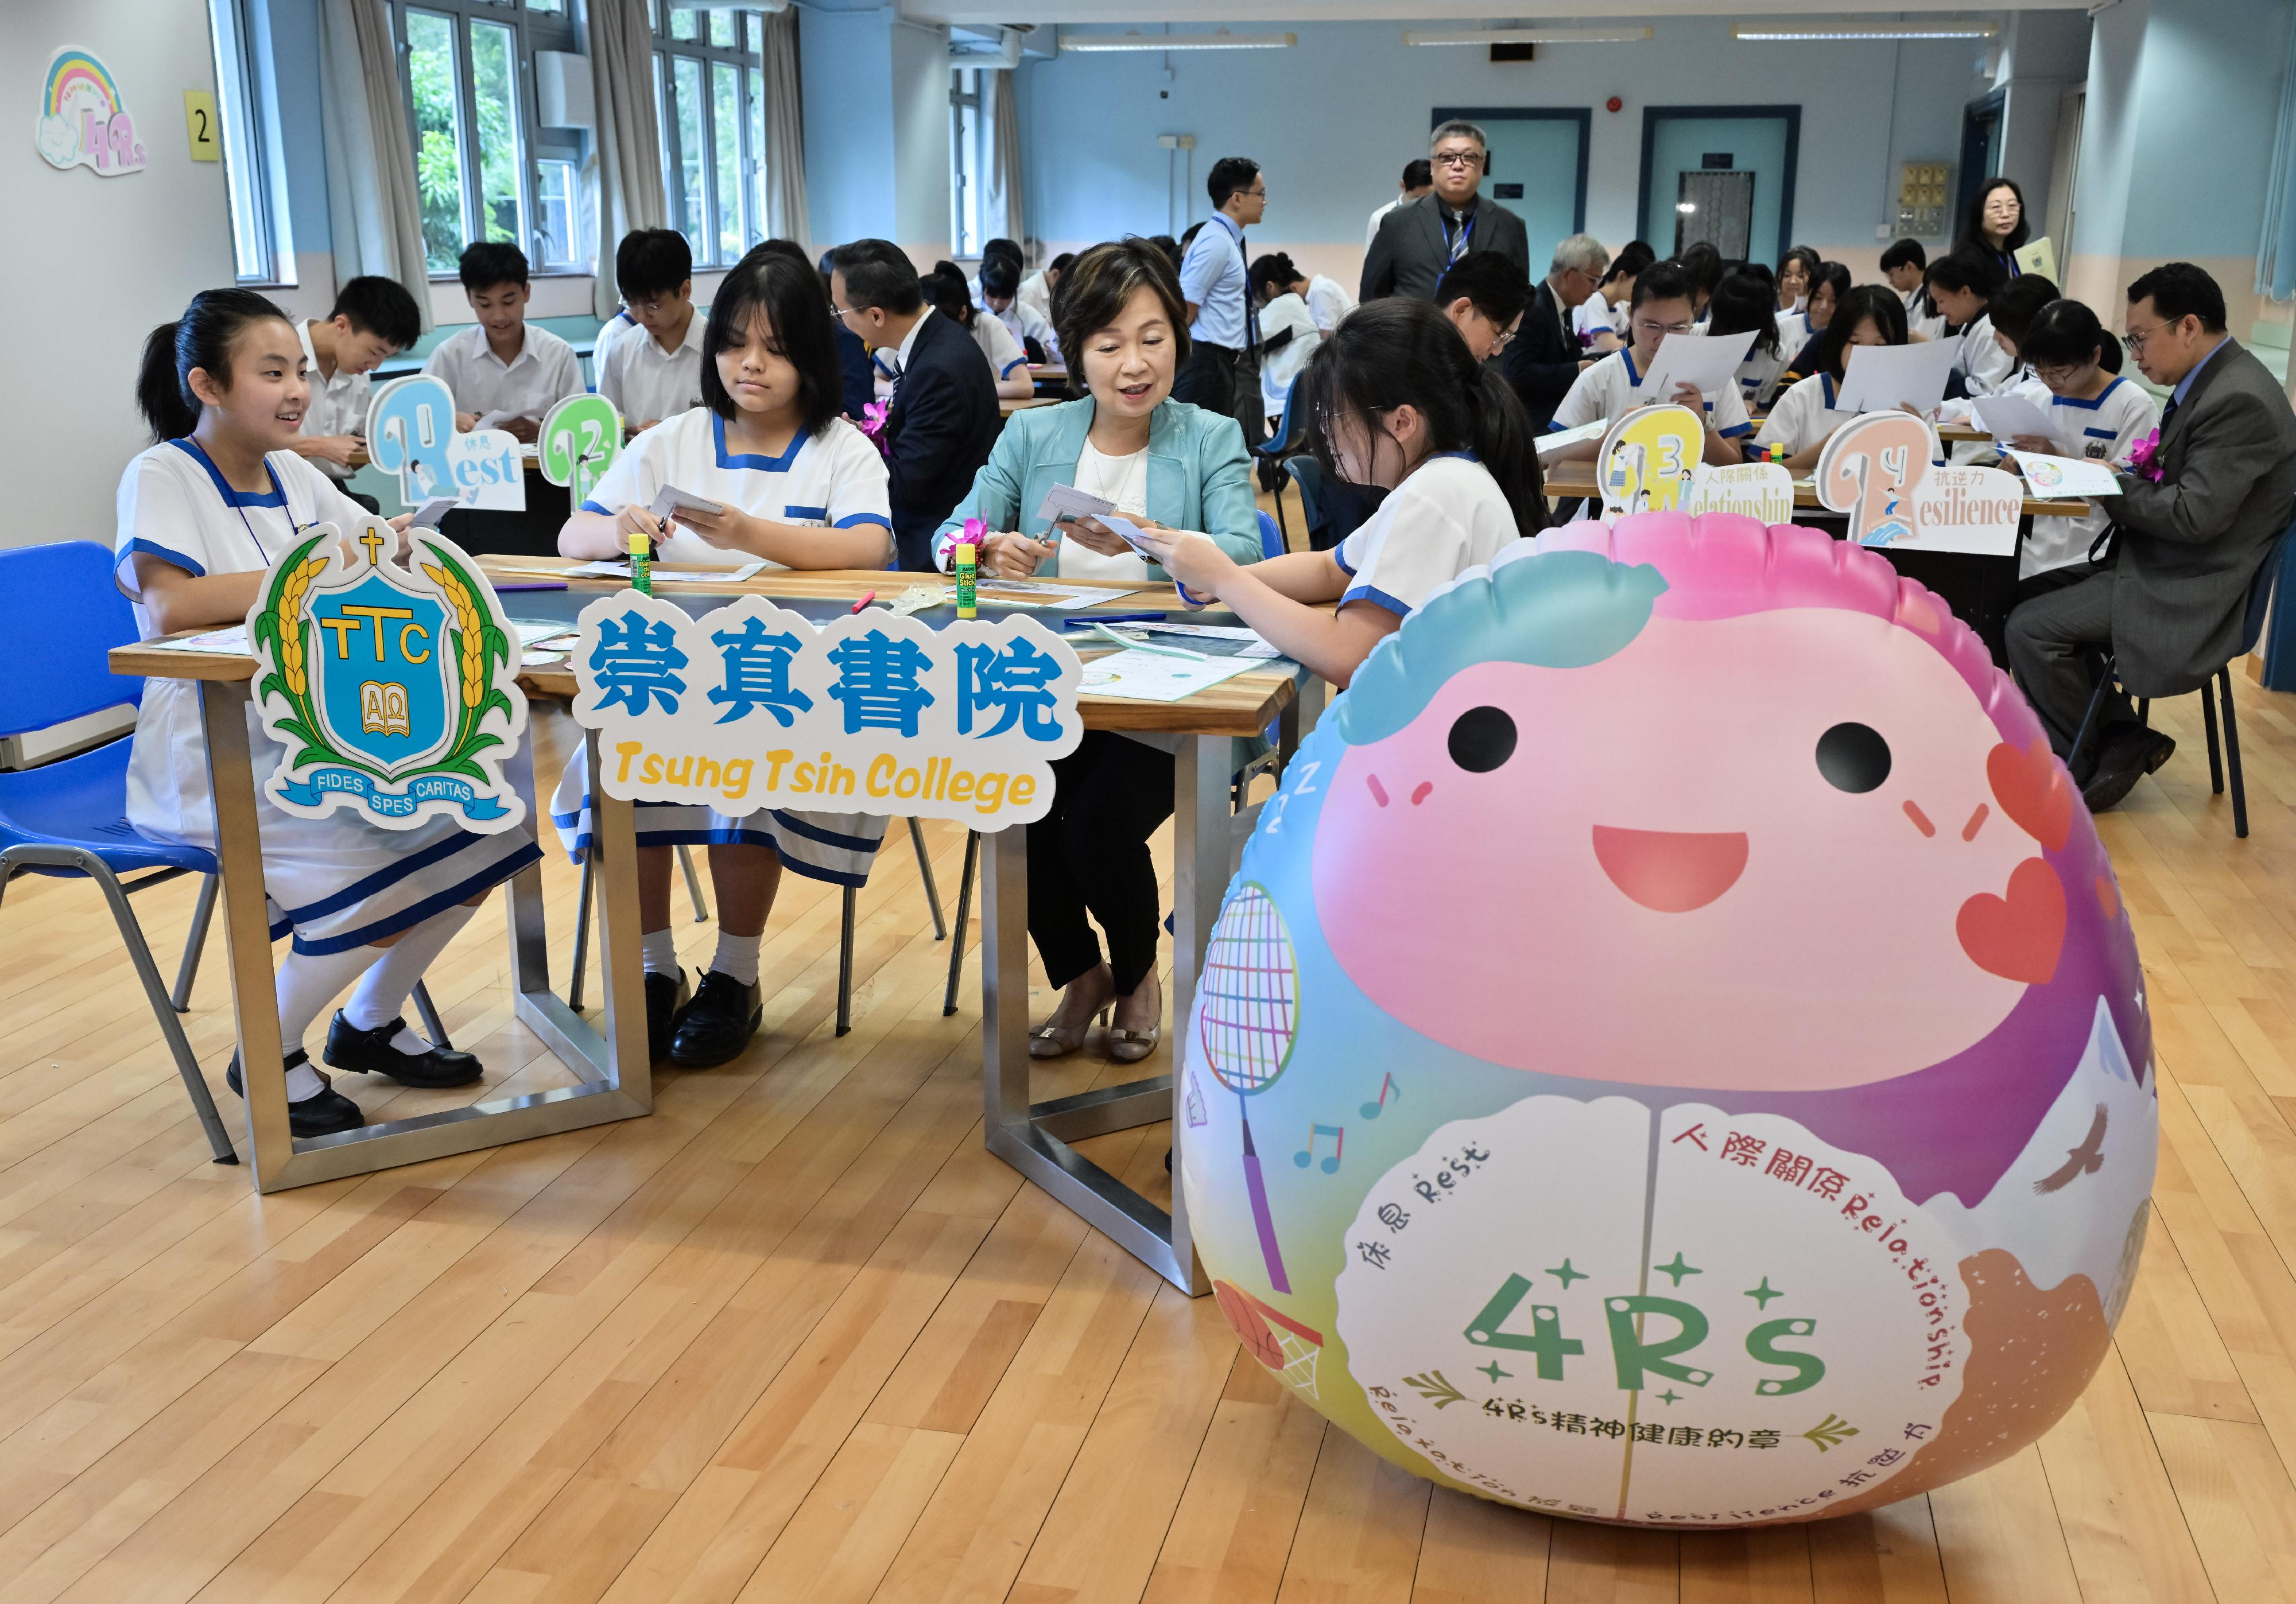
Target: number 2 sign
x: 1648, y: 458
x: 580, y: 438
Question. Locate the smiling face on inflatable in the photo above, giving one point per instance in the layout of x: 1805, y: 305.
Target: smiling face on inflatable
x: 1853, y: 812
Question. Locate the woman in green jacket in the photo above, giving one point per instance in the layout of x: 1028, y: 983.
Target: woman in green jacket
x: 1164, y: 463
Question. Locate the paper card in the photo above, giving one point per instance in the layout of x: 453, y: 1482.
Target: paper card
x: 1877, y: 468
x: 703, y: 575
x: 427, y: 515
x: 499, y: 416
x: 1129, y: 532
x: 2055, y: 477
x: 1044, y: 592
x: 1757, y: 490
x: 83, y: 118
x: 669, y: 502
x: 2006, y: 417
x: 1647, y: 459
x: 1556, y: 439
x: 534, y: 632
x: 232, y: 640
x: 2041, y: 256
x: 1066, y: 501
x: 1706, y: 362
x: 1136, y: 676
x: 1225, y: 640
x: 1882, y: 377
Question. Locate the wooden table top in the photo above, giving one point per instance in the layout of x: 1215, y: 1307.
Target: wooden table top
x: 1578, y: 477
x: 1244, y: 705
x: 1007, y: 407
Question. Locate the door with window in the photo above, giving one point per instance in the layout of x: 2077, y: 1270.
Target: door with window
x: 1716, y: 208
x: 1734, y: 167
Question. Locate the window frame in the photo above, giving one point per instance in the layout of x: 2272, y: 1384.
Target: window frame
x: 967, y: 172
x: 530, y: 29
x: 748, y: 80
x: 245, y: 120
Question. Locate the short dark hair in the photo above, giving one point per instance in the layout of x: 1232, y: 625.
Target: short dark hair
x: 2065, y: 333
x: 1002, y: 248
x: 1701, y: 263
x: 1230, y: 174
x: 379, y: 306
x: 2181, y: 289
x: 950, y: 295
x: 1966, y: 267
x: 652, y: 261
x: 790, y: 249
x: 788, y: 291
x: 1809, y: 258
x: 879, y: 272
x: 1904, y: 253
x: 1835, y: 277
x: 1661, y: 281
x: 1000, y: 276
x: 1061, y: 263
x: 491, y: 262
x: 1169, y: 246
x: 1876, y: 301
x: 1276, y: 269
x: 1633, y: 256
x: 1095, y: 288
x: 1746, y: 298
x: 1491, y: 283
x: 2013, y: 309
x: 1419, y: 172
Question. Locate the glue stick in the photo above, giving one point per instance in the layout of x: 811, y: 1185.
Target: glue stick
x: 641, y: 562
x: 963, y: 565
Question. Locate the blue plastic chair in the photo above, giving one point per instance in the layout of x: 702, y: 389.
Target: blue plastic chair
x: 1271, y: 538
x: 61, y: 611
x: 1275, y: 452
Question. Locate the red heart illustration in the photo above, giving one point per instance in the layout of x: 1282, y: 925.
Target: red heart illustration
x: 2034, y: 790
x: 2018, y: 938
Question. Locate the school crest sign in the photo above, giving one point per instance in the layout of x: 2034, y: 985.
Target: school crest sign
x: 393, y: 689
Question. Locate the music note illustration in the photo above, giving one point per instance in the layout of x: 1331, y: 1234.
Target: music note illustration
x: 1387, y: 1088
x: 1338, y: 1135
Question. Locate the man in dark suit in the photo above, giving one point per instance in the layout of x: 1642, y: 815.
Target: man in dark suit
x: 2168, y: 598
x: 944, y: 420
x: 1544, y: 360
x: 1419, y: 239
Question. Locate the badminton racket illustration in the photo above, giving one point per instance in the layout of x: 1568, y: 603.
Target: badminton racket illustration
x: 1246, y: 1026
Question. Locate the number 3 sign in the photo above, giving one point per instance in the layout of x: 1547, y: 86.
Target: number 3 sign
x: 1648, y: 458
x: 580, y: 439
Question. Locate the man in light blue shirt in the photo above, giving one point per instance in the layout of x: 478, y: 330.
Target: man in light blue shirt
x: 1217, y: 288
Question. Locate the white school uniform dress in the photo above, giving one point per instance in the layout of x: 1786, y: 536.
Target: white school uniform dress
x: 2101, y: 430
x: 1447, y: 517
x: 1281, y: 365
x: 1328, y: 301
x: 1985, y: 368
x: 1803, y: 417
x: 337, y: 405
x: 609, y: 335
x: 647, y: 384
x: 1034, y: 298
x: 336, y: 882
x: 1025, y: 325
x: 833, y: 479
x: 1595, y: 315
x: 1607, y: 390
x: 1759, y: 375
x: 997, y: 344
x: 546, y: 372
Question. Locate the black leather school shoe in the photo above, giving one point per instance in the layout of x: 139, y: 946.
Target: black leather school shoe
x: 665, y: 996
x: 717, y: 1024
x: 370, y: 1053
x: 321, y: 1116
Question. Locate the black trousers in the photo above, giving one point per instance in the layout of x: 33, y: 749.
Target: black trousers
x: 1209, y: 378
x: 1089, y: 855
x: 2057, y: 641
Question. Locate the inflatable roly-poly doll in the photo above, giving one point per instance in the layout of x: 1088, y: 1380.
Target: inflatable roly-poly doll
x: 1674, y: 1052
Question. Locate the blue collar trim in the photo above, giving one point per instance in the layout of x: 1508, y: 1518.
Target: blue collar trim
x: 763, y: 465
x: 276, y: 496
x: 1627, y: 356
x: 2089, y: 405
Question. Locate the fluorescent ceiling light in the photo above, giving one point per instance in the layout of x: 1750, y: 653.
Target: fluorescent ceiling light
x: 1777, y: 32
x: 1527, y: 36
x: 1222, y: 40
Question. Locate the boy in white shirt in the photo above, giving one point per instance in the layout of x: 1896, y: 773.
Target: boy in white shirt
x: 373, y: 320
x: 1662, y: 305
x: 1961, y: 284
x: 656, y: 372
x: 1000, y: 287
x: 498, y: 364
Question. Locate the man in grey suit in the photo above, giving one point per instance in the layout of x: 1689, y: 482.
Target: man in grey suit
x: 2167, y: 600
x: 1420, y: 238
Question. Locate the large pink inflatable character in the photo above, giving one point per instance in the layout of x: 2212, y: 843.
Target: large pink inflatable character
x: 1833, y: 1068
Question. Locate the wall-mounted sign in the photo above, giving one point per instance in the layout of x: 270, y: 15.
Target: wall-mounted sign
x: 200, y: 125
x: 82, y: 121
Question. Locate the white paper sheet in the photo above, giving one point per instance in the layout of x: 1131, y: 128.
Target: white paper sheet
x: 1149, y: 676
x: 1555, y: 440
x: 534, y: 632
x: 1880, y: 377
x: 1066, y: 501
x: 2005, y: 417
x: 497, y: 418
x: 1254, y: 646
x: 1707, y: 362
x: 1125, y: 530
x: 704, y: 575
x: 1046, y: 593
x: 2055, y: 477
x: 670, y: 501
x: 232, y: 640
x: 427, y: 515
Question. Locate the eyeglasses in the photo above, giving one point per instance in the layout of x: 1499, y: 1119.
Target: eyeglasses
x: 1260, y: 192
x: 1503, y: 339
x: 843, y: 312
x: 2055, y: 376
x: 1647, y: 327
x: 1459, y: 159
x: 2133, y: 340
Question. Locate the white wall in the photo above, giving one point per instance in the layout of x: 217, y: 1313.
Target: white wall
x: 95, y: 263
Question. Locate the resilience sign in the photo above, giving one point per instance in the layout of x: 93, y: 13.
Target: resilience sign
x: 752, y: 705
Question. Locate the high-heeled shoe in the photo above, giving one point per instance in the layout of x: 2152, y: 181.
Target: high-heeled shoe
x: 1051, y: 1040
x: 1130, y: 1046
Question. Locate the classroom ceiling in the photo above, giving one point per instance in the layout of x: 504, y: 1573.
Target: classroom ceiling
x: 1148, y: 14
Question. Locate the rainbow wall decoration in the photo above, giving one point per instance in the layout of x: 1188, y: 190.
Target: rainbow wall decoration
x: 82, y: 120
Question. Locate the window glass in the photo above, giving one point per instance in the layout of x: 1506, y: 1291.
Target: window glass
x: 494, y: 57
x: 685, y: 82
x: 438, y: 135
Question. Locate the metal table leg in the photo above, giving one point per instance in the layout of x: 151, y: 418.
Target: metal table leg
x: 1035, y: 1138
x: 617, y: 1076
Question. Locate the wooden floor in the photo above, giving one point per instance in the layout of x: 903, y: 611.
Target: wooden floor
x: 797, y: 1337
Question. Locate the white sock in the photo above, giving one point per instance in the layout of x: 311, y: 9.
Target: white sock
x: 308, y: 982
x: 382, y: 997
x: 737, y: 956
x: 659, y: 948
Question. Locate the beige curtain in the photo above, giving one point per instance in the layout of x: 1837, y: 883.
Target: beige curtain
x: 374, y: 211
x: 785, y: 203
x: 1003, y: 193
x: 628, y: 142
